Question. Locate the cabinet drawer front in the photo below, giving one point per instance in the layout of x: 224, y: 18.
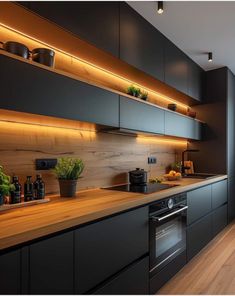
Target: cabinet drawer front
x: 219, y: 219
x: 105, y: 247
x: 181, y: 126
x: 198, y: 235
x: 132, y: 281
x: 42, y: 92
x: 51, y: 265
x: 219, y: 193
x: 199, y: 203
x: 10, y: 272
x: 142, y: 117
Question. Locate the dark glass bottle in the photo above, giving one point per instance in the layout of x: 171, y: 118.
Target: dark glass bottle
x: 16, y: 194
x: 39, y: 188
x: 28, y: 189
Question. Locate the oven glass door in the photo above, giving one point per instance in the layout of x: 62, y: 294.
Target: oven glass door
x: 167, y: 240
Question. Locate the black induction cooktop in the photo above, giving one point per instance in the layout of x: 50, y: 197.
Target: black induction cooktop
x: 144, y: 188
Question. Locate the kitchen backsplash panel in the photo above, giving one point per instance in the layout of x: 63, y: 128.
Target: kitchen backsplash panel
x: 107, y: 157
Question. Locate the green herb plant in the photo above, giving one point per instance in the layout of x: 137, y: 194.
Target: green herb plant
x: 144, y: 95
x: 68, y: 168
x: 5, y: 183
x: 134, y: 91
x: 176, y: 166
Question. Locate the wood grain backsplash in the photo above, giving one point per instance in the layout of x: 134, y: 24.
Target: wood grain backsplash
x: 107, y: 157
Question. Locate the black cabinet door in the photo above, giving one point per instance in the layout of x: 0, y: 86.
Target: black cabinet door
x: 134, y: 280
x: 181, y: 126
x: 231, y: 199
x: 95, y: 22
x: 195, y: 80
x: 219, y: 219
x: 176, y: 67
x: 198, y: 235
x: 10, y: 271
x: 51, y: 265
x: 219, y: 193
x: 139, y: 116
x: 199, y: 203
x: 43, y: 92
x: 104, y: 248
x: 141, y: 45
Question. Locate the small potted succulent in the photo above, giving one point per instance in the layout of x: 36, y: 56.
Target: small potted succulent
x: 5, y: 186
x: 68, y: 170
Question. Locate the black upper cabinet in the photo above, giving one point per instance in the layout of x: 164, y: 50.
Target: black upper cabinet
x: 10, y: 271
x: 95, y: 22
x: 139, y: 116
x: 195, y: 80
x: 176, y: 67
x: 141, y: 45
x: 51, y: 266
x: 43, y: 92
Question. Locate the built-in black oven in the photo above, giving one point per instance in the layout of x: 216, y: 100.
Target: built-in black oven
x: 167, y: 220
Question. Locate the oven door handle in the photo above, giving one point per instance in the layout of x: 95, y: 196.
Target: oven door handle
x: 158, y: 219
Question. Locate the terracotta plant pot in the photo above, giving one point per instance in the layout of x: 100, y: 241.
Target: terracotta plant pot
x: 67, y: 188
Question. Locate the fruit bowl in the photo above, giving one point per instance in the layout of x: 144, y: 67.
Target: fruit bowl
x: 173, y: 176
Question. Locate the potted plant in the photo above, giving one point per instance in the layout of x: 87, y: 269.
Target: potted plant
x: 133, y: 91
x: 144, y: 95
x: 68, y: 171
x: 5, y: 186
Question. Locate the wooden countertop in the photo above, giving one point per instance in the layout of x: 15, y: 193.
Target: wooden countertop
x: 25, y: 224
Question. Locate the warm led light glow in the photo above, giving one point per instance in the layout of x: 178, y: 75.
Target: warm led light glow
x: 42, y: 129
x: 160, y: 140
x: 99, y: 73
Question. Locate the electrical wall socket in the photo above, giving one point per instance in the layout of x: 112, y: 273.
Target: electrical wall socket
x: 152, y: 160
x: 45, y: 163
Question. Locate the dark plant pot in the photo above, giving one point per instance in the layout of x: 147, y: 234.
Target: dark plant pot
x: 172, y: 107
x: 16, y: 48
x: 1, y: 199
x: 67, y: 188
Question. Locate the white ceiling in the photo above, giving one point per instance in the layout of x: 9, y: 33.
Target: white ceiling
x: 196, y: 28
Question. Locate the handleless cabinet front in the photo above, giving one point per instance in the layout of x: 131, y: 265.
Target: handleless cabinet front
x: 104, y: 248
x: 10, y: 271
x: 182, y: 126
x: 43, y: 92
x: 199, y: 203
x: 139, y: 116
x: 219, y: 193
x: 132, y: 281
x: 51, y: 265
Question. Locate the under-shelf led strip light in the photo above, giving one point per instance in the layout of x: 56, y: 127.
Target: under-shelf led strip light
x: 95, y: 66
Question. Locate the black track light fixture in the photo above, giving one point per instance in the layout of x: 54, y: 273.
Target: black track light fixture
x: 210, y: 59
x: 160, y: 7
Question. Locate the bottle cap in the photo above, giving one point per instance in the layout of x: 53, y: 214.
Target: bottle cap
x: 39, y: 176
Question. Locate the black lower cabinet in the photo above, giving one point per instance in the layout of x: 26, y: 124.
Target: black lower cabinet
x: 231, y: 199
x: 219, y: 219
x: 198, y: 235
x: 158, y: 280
x: 134, y: 280
x: 10, y: 271
x: 104, y: 248
x: 51, y: 265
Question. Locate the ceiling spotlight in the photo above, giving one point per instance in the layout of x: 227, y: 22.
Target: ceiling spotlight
x: 210, y: 57
x: 160, y: 7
